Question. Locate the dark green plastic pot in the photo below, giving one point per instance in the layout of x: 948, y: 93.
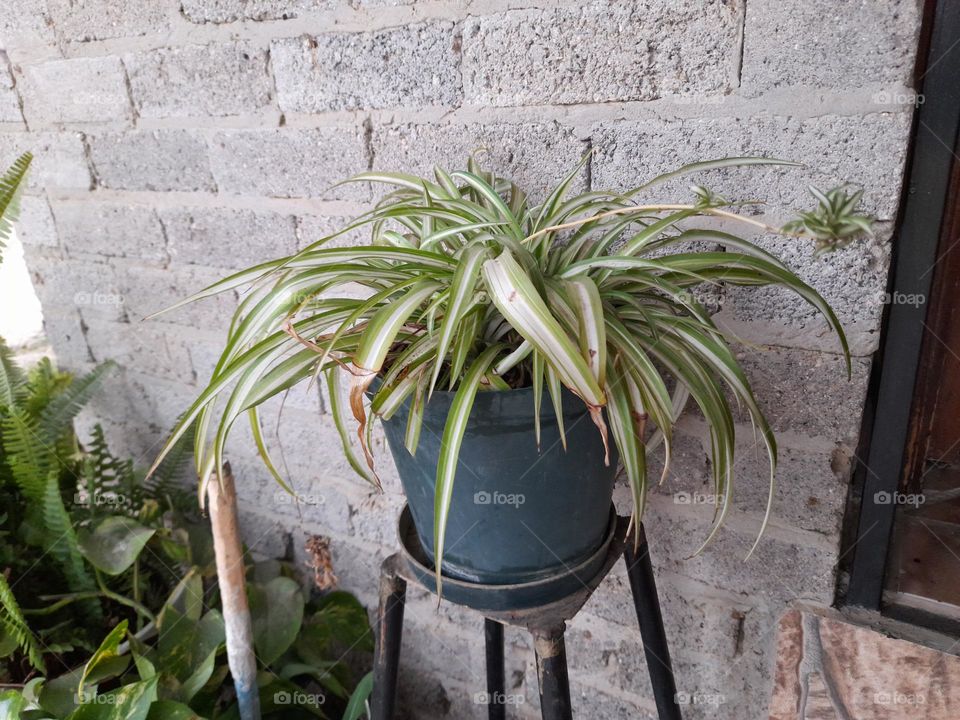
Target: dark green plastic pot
x: 519, y: 513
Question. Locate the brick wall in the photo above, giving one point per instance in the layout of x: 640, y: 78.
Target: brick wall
x: 176, y: 141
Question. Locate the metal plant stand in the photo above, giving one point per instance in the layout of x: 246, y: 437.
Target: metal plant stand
x: 546, y: 623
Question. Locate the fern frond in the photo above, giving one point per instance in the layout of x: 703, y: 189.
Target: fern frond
x: 11, y: 185
x: 15, y: 625
x: 175, y: 465
x: 57, y: 416
x: 44, y: 383
x: 60, y: 539
x: 103, y: 475
x: 13, y: 381
x: 27, y: 456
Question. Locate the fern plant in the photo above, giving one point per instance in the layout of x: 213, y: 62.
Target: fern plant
x: 15, y: 631
x: 58, y: 495
x: 470, y: 286
x: 11, y: 187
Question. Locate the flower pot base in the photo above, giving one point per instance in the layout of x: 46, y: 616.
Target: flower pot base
x: 501, y: 597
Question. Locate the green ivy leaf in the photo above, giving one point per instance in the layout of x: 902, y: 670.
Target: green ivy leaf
x: 114, y: 544
x: 106, y: 662
x: 11, y: 703
x: 276, y: 609
x: 130, y: 702
x: 358, y: 701
x: 170, y: 710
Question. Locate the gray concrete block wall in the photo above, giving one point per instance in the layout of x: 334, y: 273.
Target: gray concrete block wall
x: 176, y: 142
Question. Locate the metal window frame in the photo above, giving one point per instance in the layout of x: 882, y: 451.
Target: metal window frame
x: 887, y: 418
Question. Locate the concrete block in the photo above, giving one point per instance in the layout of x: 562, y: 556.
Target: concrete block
x: 35, y: 225
x: 218, y: 79
x: 736, y: 689
x: 436, y: 650
x: 141, y: 409
x: 151, y: 160
x: 810, y: 488
x: 110, y: 229
x: 147, y: 290
x: 810, y: 485
x: 537, y: 156
x: 825, y: 44
x: 689, y: 470
x: 867, y: 150
x: 25, y: 23
x: 425, y: 696
x: 692, y: 618
x: 64, y: 332
x: 374, y: 517
x: 591, y: 702
x: 601, y: 52
x: 358, y: 567
x: 140, y: 346
x: 265, y: 537
x: 290, y: 162
x: 807, y: 392
x: 318, y: 504
x: 59, y: 160
x: 853, y: 280
x: 77, y: 90
x: 102, y: 19
x: 227, y: 11
x: 412, y: 66
x: 227, y: 238
x: 311, y: 228
x: 90, y: 287
x: 778, y: 571
x: 204, y: 346
x: 9, y: 100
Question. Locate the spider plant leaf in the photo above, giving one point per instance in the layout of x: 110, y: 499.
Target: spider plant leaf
x: 462, y: 288
x: 375, y: 342
x: 585, y: 298
x: 521, y: 353
x: 403, y: 180
x: 626, y: 423
x: 555, y: 388
x: 256, y: 430
x: 315, y: 259
x: 520, y: 303
x: 453, y: 431
x: 537, y: 382
x: 493, y: 200
x: 337, y: 410
x: 411, y: 437
x: 463, y: 345
x: 382, y: 328
x: 652, y: 232
x: 714, y: 165
x: 390, y: 398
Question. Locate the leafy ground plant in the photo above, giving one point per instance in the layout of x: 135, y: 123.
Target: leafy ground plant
x: 471, y: 287
x: 176, y: 669
x: 85, y: 541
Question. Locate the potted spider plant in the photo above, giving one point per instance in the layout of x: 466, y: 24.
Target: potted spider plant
x: 516, y: 352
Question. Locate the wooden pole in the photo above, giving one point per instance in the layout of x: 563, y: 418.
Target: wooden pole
x: 233, y: 593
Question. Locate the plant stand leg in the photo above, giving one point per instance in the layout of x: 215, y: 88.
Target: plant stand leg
x: 552, y: 674
x: 647, y: 604
x: 386, y: 659
x: 496, y: 702
x: 233, y: 593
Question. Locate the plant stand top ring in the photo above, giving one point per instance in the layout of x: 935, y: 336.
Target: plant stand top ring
x: 545, y: 622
